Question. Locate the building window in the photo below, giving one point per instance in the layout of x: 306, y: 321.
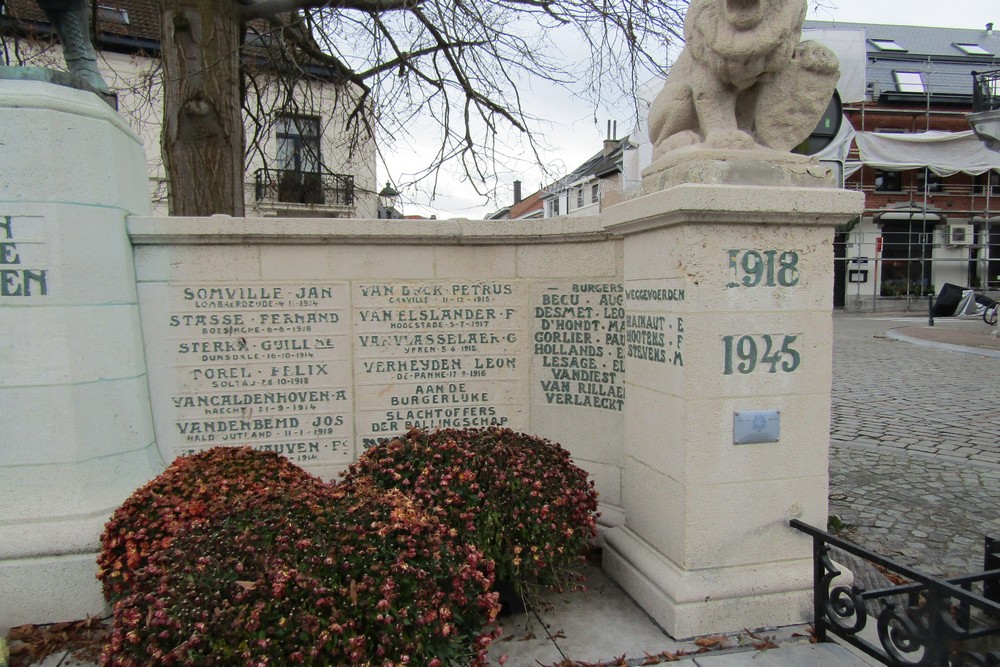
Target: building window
x: 973, y: 50
x: 554, y: 207
x: 579, y: 197
x: 934, y: 183
x: 298, y: 143
x: 986, y: 181
x: 298, y: 160
x: 910, y: 82
x: 906, y: 251
x: 595, y: 193
x: 112, y: 15
x: 887, y: 45
x: 888, y: 181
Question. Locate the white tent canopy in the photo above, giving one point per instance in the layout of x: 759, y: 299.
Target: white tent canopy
x: 849, y: 45
x: 944, y: 153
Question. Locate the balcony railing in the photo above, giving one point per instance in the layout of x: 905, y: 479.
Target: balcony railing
x: 986, y: 91
x: 944, y: 189
x: 985, y: 116
x: 282, y: 186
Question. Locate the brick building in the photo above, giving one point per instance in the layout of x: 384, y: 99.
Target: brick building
x: 932, y: 189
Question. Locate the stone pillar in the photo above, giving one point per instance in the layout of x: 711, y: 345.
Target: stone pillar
x: 728, y: 294
x: 77, y: 435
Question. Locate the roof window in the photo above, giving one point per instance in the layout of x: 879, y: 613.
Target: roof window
x: 910, y: 82
x: 887, y: 45
x: 973, y: 50
x: 112, y: 15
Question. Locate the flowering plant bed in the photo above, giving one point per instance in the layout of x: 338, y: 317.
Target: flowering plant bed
x: 518, y: 498
x: 349, y: 575
x: 191, y: 491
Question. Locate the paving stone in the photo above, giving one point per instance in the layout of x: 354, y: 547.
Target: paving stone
x: 927, y: 491
x: 814, y: 655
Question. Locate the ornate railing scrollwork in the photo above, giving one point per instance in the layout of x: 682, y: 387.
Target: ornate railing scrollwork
x: 844, y: 606
x: 899, y: 635
x: 846, y: 609
x: 925, y: 622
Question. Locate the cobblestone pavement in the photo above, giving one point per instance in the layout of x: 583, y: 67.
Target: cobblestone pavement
x: 915, y: 447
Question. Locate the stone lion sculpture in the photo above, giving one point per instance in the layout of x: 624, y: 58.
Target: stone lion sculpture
x: 71, y: 20
x: 744, y: 81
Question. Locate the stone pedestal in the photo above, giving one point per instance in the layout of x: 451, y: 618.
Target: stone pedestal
x: 74, y: 403
x: 728, y: 319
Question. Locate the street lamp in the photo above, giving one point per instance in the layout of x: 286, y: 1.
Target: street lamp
x: 387, y: 202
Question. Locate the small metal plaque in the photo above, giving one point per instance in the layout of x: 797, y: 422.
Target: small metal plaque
x: 753, y: 426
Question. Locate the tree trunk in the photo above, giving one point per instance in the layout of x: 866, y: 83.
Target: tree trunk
x: 203, y: 137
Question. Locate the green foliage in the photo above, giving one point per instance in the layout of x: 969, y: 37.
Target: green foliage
x: 314, y: 575
x: 191, y: 491
x: 518, y: 498
x: 836, y: 525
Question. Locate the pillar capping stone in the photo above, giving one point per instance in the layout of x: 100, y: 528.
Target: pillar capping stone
x: 697, y: 203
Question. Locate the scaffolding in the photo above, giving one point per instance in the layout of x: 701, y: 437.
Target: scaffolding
x: 900, y: 271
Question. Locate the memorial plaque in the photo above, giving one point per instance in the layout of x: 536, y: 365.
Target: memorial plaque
x: 578, y: 343
x: 265, y: 364
x: 756, y: 426
x: 24, y: 257
x: 654, y: 328
x: 440, y: 354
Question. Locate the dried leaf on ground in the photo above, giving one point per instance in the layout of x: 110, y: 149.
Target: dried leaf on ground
x: 715, y: 641
x: 33, y: 643
x: 894, y: 579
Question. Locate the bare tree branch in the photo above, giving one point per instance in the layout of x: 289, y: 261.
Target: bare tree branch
x: 255, y: 9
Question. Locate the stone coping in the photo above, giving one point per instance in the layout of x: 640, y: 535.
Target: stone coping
x: 734, y: 204
x: 223, y: 229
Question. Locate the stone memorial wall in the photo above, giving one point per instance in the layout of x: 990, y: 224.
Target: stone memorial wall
x: 321, y: 359
x: 678, y: 346
x: 264, y: 364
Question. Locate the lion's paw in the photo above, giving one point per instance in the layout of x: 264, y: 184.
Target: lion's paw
x: 815, y: 57
x: 730, y: 140
x: 679, y: 140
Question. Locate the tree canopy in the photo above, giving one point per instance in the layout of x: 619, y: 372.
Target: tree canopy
x: 463, y: 63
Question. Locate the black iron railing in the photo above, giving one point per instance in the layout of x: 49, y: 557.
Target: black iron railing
x: 923, y: 621
x: 303, y: 187
x: 986, y: 91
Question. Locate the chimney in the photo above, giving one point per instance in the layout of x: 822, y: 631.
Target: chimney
x: 517, y: 192
x: 611, y: 142
x: 989, y: 29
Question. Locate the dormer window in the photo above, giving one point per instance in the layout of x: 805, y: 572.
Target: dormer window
x: 910, y: 82
x: 973, y: 50
x: 887, y: 45
x: 112, y: 15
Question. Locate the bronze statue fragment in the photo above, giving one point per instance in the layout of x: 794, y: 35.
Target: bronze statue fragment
x: 71, y: 20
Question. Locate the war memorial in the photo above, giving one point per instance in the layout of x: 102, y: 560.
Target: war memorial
x: 679, y: 344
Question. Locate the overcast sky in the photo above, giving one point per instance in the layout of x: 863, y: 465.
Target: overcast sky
x: 575, y: 133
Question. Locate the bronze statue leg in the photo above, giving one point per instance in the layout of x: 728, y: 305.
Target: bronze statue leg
x: 71, y: 19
